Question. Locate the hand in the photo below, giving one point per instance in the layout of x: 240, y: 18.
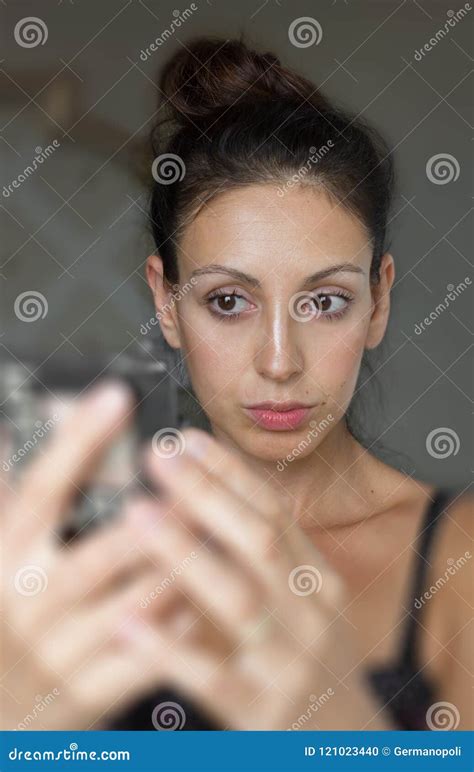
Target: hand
x: 69, y: 650
x: 264, y: 635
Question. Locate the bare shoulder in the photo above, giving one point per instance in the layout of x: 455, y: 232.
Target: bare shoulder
x: 447, y: 642
x: 449, y: 591
x: 455, y: 547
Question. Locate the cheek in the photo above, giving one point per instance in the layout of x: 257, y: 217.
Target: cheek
x: 339, y: 353
x: 214, y: 360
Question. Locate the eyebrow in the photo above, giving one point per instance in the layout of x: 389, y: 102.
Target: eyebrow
x: 254, y: 282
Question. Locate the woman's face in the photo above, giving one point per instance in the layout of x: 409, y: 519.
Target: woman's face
x: 275, y: 331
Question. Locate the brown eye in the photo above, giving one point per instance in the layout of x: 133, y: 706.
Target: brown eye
x: 229, y: 304
x: 324, y: 303
x: 226, y: 302
x: 331, y: 304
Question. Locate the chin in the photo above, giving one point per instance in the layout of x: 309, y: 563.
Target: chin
x: 273, y: 446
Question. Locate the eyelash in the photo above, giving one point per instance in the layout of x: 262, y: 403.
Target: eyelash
x: 233, y: 317
x: 227, y: 317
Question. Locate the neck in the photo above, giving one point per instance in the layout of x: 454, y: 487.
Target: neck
x: 328, y: 488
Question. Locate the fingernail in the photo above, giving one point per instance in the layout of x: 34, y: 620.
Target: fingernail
x: 141, y: 513
x: 172, y: 463
x: 196, y: 444
x: 132, y: 630
x: 110, y: 396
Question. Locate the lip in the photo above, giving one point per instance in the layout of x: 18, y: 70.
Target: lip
x: 272, y: 404
x: 278, y: 416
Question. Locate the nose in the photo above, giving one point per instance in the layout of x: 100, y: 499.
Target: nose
x: 278, y: 356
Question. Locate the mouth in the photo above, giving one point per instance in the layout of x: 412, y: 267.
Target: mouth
x: 278, y: 416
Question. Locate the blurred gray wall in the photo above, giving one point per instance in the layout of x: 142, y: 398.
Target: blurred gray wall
x: 75, y: 231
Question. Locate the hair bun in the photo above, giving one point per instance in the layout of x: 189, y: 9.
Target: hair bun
x: 211, y: 74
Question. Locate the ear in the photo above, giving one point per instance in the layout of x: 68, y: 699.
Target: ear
x: 163, y: 299
x: 381, y: 302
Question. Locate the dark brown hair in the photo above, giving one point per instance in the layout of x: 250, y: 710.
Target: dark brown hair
x: 230, y: 116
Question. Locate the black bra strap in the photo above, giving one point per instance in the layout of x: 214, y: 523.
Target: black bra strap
x: 432, y: 518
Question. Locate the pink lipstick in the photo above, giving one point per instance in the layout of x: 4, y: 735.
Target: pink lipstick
x: 278, y: 416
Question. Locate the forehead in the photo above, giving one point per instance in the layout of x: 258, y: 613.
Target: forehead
x: 254, y: 225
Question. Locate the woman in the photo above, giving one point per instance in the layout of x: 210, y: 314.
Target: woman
x: 302, y: 601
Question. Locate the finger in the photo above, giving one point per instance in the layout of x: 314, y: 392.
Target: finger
x: 154, y: 658
x: 222, y: 686
x: 252, y: 542
x: 83, y: 633
x: 228, y: 593
x: 217, y: 462
x: 234, y: 473
x: 220, y: 588
x: 53, y: 480
x: 232, y: 597
x: 232, y: 523
x: 110, y: 683
x: 84, y: 572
